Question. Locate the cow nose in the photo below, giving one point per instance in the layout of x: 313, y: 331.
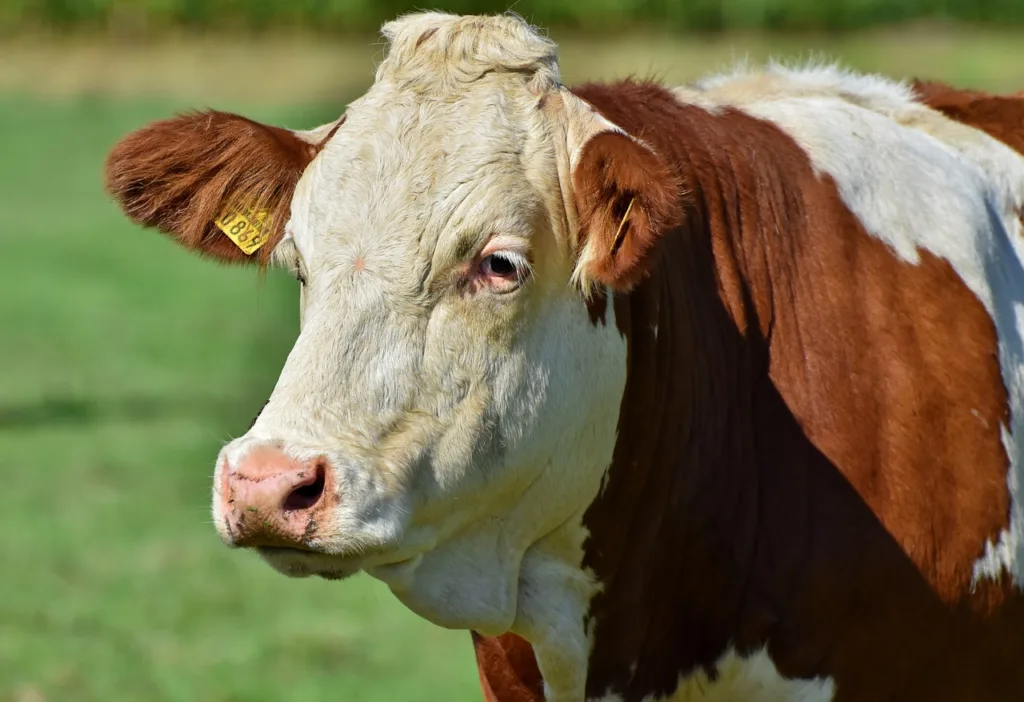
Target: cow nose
x: 270, y: 499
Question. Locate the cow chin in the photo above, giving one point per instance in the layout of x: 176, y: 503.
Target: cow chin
x: 297, y: 563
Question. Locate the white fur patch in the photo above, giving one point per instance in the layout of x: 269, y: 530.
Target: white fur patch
x: 916, y: 180
x: 752, y: 678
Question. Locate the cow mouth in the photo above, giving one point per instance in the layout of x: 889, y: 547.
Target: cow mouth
x: 301, y: 563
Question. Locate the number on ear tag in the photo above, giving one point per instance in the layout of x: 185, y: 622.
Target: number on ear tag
x: 244, y: 227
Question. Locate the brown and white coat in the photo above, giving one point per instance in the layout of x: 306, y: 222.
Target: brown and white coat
x: 708, y: 393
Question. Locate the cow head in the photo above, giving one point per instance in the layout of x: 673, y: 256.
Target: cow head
x: 450, y: 405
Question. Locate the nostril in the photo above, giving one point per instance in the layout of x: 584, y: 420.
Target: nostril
x: 305, y: 496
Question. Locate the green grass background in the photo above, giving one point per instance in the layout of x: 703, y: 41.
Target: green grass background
x: 124, y: 364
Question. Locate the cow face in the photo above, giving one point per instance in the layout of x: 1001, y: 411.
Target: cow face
x: 450, y: 404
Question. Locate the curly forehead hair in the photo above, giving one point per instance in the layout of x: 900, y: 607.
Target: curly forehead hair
x: 441, y: 50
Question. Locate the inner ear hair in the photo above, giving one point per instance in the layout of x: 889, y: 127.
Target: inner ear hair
x: 626, y: 198
x: 620, y: 233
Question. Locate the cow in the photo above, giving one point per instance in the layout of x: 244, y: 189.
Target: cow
x: 708, y: 392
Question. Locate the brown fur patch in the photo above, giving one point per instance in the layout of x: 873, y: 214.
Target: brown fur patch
x: 177, y: 174
x: 508, y: 671
x: 626, y: 198
x: 1000, y: 116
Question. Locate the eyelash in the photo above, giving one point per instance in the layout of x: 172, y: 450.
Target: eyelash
x: 519, y: 263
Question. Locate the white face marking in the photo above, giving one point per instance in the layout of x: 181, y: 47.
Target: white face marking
x: 927, y: 182
x: 467, y: 427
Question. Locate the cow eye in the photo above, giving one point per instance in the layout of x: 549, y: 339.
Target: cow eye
x: 500, y: 264
x: 504, y: 271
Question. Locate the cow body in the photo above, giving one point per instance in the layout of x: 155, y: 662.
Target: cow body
x: 697, y: 394
x: 813, y: 520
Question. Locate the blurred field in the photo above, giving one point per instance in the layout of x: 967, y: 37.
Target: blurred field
x: 283, y: 70
x: 340, y: 17
x: 124, y: 363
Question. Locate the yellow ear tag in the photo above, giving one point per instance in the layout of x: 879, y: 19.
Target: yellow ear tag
x: 243, y: 226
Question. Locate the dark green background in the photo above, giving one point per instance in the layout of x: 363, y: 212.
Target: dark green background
x: 340, y: 16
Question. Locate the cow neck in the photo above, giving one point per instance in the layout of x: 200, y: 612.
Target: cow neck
x: 674, y: 523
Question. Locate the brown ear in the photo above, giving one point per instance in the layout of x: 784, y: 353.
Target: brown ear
x: 626, y: 198
x: 181, y: 174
